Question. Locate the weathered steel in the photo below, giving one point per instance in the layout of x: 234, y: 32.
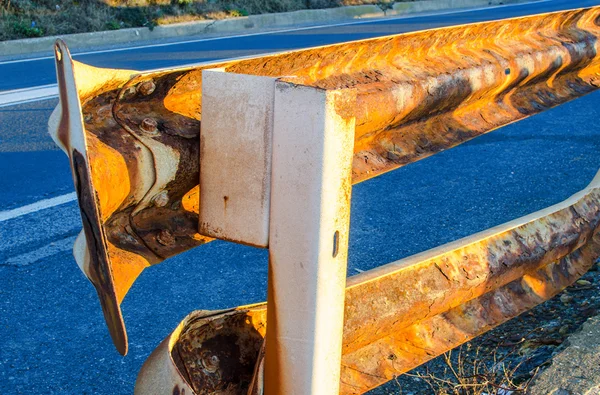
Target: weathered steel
x: 403, y: 314
x: 417, y: 94
x: 95, y: 256
x: 309, y: 226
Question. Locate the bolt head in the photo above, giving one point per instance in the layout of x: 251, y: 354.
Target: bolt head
x: 161, y: 200
x: 146, y: 88
x: 149, y: 125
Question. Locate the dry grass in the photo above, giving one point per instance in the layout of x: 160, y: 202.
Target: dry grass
x: 473, y: 373
x: 36, y: 18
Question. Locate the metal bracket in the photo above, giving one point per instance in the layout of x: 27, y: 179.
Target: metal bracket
x: 235, y: 156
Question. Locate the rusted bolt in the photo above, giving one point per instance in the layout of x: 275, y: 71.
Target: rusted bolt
x: 146, y: 88
x: 165, y: 237
x: 149, y: 125
x: 210, y: 363
x: 161, y: 199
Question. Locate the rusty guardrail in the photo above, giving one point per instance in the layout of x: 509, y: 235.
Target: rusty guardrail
x: 402, y: 314
x: 133, y: 142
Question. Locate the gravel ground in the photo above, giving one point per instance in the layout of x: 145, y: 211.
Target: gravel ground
x: 504, y: 360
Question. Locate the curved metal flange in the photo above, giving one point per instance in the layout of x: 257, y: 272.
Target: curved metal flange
x: 93, y: 252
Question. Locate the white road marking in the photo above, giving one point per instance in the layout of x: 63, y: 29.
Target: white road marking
x: 21, y: 96
x: 37, y: 206
x: 48, y: 250
x: 290, y: 30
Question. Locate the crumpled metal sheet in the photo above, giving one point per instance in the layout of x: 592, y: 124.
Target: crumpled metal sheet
x: 403, y: 314
x: 417, y: 94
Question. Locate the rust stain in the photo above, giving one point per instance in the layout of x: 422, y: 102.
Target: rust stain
x: 219, y: 352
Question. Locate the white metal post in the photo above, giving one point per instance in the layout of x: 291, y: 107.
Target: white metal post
x: 308, y: 239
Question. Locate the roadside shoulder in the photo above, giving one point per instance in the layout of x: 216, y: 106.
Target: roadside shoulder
x: 576, y: 369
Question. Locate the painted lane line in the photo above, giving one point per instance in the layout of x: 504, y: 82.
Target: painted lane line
x: 290, y: 30
x: 21, y: 96
x: 37, y: 206
x: 33, y: 100
x: 48, y: 250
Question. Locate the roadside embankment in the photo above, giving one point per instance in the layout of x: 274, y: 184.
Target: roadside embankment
x: 238, y: 25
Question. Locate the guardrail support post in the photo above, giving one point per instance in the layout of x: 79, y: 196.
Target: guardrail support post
x: 313, y: 143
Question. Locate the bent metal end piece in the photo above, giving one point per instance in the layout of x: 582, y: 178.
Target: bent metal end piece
x: 92, y: 251
x: 138, y: 193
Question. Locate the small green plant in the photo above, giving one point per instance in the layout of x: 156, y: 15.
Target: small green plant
x: 238, y: 12
x: 138, y: 17
x: 386, y: 5
x: 113, y: 25
x: 21, y: 29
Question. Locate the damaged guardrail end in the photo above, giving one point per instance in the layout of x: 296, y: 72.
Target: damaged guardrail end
x: 233, y: 340
x: 135, y: 207
x: 114, y: 175
x: 67, y: 129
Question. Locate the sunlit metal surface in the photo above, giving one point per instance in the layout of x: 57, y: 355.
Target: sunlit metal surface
x: 133, y: 138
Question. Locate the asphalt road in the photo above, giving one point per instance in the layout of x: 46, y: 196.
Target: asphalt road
x: 53, y: 338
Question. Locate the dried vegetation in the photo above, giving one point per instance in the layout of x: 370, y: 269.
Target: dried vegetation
x: 468, y: 372
x: 36, y: 18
